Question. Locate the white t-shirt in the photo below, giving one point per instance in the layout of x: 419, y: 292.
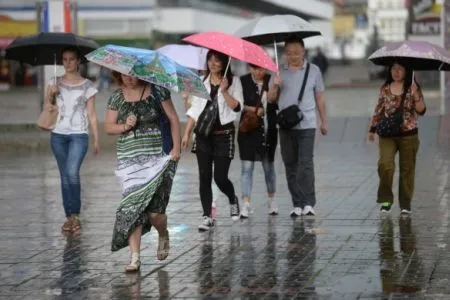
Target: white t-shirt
x: 72, y: 107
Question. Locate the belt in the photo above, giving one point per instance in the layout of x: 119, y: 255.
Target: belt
x: 222, y: 132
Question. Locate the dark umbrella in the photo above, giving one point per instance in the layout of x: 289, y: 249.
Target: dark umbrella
x: 418, y: 55
x: 45, y: 48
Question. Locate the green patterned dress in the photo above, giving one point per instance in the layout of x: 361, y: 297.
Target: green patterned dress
x: 144, y: 171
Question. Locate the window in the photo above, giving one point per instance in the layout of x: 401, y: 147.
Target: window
x: 98, y: 27
x: 138, y: 26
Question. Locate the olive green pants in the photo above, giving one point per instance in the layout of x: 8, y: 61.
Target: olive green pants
x: 407, y: 148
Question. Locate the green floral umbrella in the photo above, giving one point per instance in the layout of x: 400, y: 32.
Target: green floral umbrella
x: 150, y: 66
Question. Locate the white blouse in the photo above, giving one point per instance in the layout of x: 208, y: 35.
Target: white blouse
x: 72, y: 107
x: 226, y: 114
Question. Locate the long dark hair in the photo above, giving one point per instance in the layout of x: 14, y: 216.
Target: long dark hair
x: 407, y: 81
x: 224, y: 60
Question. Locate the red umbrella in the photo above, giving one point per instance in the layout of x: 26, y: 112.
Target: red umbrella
x: 234, y: 47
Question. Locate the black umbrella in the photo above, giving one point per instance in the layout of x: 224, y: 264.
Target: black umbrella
x: 45, y: 48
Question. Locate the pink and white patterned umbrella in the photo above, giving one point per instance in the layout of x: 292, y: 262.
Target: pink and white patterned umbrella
x: 234, y: 47
x: 418, y: 55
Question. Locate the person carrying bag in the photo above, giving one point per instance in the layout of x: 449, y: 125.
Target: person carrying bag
x: 292, y: 115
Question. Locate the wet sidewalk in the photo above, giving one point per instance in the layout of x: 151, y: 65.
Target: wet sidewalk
x: 346, y: 252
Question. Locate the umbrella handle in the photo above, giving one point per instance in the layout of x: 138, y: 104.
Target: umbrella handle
x: 228, y: 66
x: 54, y: 69
x: 276, y: 51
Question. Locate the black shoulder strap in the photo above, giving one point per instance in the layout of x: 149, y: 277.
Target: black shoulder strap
x: 305, y: 78
x: 143, y: 90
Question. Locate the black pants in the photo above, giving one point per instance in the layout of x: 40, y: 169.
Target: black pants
x: 297, y: 151
x: 205, y: 163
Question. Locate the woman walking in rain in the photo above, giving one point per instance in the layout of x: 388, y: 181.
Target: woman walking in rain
x: 75, y: 102
x: 215, y: 148
x: 395, y: 121
x: 257, y: 137
x: 144, y: 170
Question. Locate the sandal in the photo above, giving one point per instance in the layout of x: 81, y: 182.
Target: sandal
x: 67, y: 226
x: 76, y: 224
x: 134, y: 265
x: 163, y: 247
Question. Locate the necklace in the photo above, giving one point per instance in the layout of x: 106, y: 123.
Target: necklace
x: 215, y: 81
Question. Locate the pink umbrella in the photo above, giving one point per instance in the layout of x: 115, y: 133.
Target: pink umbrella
x: 234, y: 47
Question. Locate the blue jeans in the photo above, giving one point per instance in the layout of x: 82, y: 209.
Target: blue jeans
x: 247, y: 176
x: 69, y: 151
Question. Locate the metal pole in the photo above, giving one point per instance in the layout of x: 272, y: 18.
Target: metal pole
x: 445, y: 35
x: 74, y: 7
x: 41, y: 74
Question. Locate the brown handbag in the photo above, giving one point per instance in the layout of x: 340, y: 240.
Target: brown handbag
x: 47, y: 118
x: 250, y: 119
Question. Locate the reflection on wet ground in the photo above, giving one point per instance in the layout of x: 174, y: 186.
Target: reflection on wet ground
x: 347, y: 252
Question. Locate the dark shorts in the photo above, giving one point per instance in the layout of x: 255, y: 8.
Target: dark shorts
x: 221, y: 145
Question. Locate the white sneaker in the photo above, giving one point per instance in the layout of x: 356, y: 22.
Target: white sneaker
x: 405, y: 212
x: 296, y: 212
x: 207, y: 224
x: 273, y: 208
x: 246, y: 211
x: 308, y: 211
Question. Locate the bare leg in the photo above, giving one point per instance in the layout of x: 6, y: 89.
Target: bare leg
x: 159, y: 221
x: 134, y: 241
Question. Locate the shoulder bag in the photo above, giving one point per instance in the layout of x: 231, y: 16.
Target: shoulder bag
x: 292, y: 115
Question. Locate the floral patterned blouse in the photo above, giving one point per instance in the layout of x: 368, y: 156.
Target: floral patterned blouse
x: 388, y: 103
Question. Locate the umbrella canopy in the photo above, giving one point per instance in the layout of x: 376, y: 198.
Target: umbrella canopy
x: 275, y: 28
x: 420, y: 56
x: 234, y: 47
x: 150, y: 66
x: 45, y: 48
x: 186, y: 55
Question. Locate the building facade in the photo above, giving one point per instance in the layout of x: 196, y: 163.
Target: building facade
x: 389, y: 17
x: 151, y: 23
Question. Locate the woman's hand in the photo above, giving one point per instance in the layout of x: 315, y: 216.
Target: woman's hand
x: 131, y: 121
x: 224, y: 84
x: 53, y: 90
x: 185, y: 142
x: 277, y: 79
x: 96, y: 147
x: 414, y: 89
x: 371, y: 136
x: 50, y: 107
x: 260, y: 112
x: 175, y: 154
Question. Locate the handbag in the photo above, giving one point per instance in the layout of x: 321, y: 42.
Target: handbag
x: 391, y: 125
x: 47, y: 119
x: 250, y: 119
x: 164, y: 127
x: 206, y: 120
x: 292, y: 115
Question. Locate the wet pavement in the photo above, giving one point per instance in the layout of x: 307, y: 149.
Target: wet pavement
x: 347, y: 252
